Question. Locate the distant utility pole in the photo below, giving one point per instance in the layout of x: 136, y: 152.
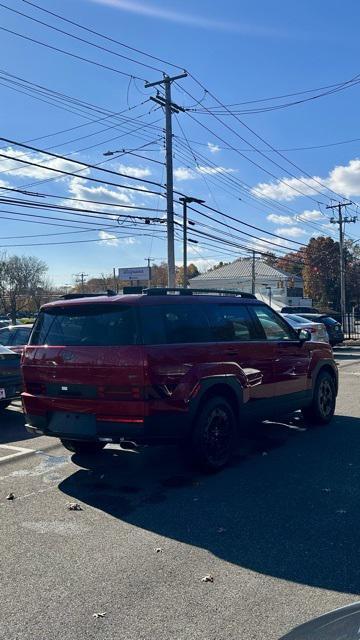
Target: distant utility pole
x: 185, y: 200
x: 253, y: 273
x: 149, y: 267
x: 170, y: 108
x: 81, y: 279
x: 341, y: 220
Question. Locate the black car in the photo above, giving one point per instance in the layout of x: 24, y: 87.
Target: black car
x: 10, y: 376
x: 299, y: 310
x: 333, y: 327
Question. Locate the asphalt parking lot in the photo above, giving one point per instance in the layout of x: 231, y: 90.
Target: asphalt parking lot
x: 278, y: 531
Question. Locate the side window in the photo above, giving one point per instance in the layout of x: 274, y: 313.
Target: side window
x: 5, y: 337
x: 231, y: 323
x: 275, y: 328
x: 21, y: 337
x: 175, y: 323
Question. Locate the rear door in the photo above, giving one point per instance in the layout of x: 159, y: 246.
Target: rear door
x: 239, y: 339
x: 291, y: 358
x: 89, y: 355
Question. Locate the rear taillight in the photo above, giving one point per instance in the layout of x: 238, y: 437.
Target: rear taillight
x: 119, y: 420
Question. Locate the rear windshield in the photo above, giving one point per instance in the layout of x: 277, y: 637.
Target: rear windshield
x: 328, y: 320
x: 86, y: 325
x: 295, y: 318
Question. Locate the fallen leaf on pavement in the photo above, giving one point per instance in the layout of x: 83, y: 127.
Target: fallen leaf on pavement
x: 207, y: 578
x: 74, y: 506
x: 101, y: 614
x: 10, y: 497
x: 158, y: 550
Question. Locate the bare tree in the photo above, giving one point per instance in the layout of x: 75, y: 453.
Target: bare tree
x: 20, y: 278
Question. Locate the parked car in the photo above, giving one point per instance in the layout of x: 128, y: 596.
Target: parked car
x: 339, y: 624
x: 10, y: 377
x: 317, y: 329
x: 299, y: 310
x: 170, y: 366
x: 15, y: 336
x: 332, y: 326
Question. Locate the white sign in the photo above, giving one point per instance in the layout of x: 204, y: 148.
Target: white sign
x: 134, y: 273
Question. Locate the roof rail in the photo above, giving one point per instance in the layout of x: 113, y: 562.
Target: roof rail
x: 76, y: 296
x: 163, y: 291
x: 128, y: 290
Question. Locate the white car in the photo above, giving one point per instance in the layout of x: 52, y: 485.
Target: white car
x: 317, y: 329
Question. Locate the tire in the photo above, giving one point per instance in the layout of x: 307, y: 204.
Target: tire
x: 214, y: 435
x: 323, y: 404
x: 4, y: 404
x: 82, y: 447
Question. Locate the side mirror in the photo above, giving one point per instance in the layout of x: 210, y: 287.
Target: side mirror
x: 304, y: 335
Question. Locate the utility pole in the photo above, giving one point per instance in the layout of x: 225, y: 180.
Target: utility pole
x: 170, y: 108
x: 81, y: 278
x: 116, y: 285
x: 185, y: 200
x: 253, y: 274
x: 341, y: 221
x: 149, y: 267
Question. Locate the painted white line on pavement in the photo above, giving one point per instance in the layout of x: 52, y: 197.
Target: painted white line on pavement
x: 19, y: 451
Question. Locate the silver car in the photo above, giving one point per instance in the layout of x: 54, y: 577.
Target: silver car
x: 317, y: 329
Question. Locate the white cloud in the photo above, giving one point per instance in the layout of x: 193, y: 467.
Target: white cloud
x: 343, y: 179
x: 213, y: 148
x: 135, y: 172
x: 215, y: 170
x: 292, y: 232
x: 183, y: 173
x: 276, y: 219
x: 263, y: 244
x: 309, y: 215
x: 81, y: 191
x: 25, y: 170
x: 108, y: 239
x: 286, y: 189
x: 191, y: 19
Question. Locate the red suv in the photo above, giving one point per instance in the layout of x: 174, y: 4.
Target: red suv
x: 170, y: 366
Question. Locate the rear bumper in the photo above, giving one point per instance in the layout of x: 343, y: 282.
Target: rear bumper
x: 169, y: 427
x: 12, y: 386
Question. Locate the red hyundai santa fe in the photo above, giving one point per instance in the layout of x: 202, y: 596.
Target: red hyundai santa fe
x: 170, y: 366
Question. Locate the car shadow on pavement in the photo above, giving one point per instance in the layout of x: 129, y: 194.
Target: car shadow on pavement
x: 287, y: 507
x: 12, y: 426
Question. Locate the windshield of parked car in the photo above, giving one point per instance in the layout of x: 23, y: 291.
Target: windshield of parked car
x: 86, y: 325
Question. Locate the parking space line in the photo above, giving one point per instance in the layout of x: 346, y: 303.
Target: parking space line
x: 19, y: 451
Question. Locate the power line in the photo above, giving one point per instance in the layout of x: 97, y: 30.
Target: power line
x: 268, y: 145
x: 73, y: 199
x: 93, y: 44
x: 106, y: 37
x: 72, y: 55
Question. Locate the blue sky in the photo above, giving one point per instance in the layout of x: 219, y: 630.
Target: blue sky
x: 241, y: 53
